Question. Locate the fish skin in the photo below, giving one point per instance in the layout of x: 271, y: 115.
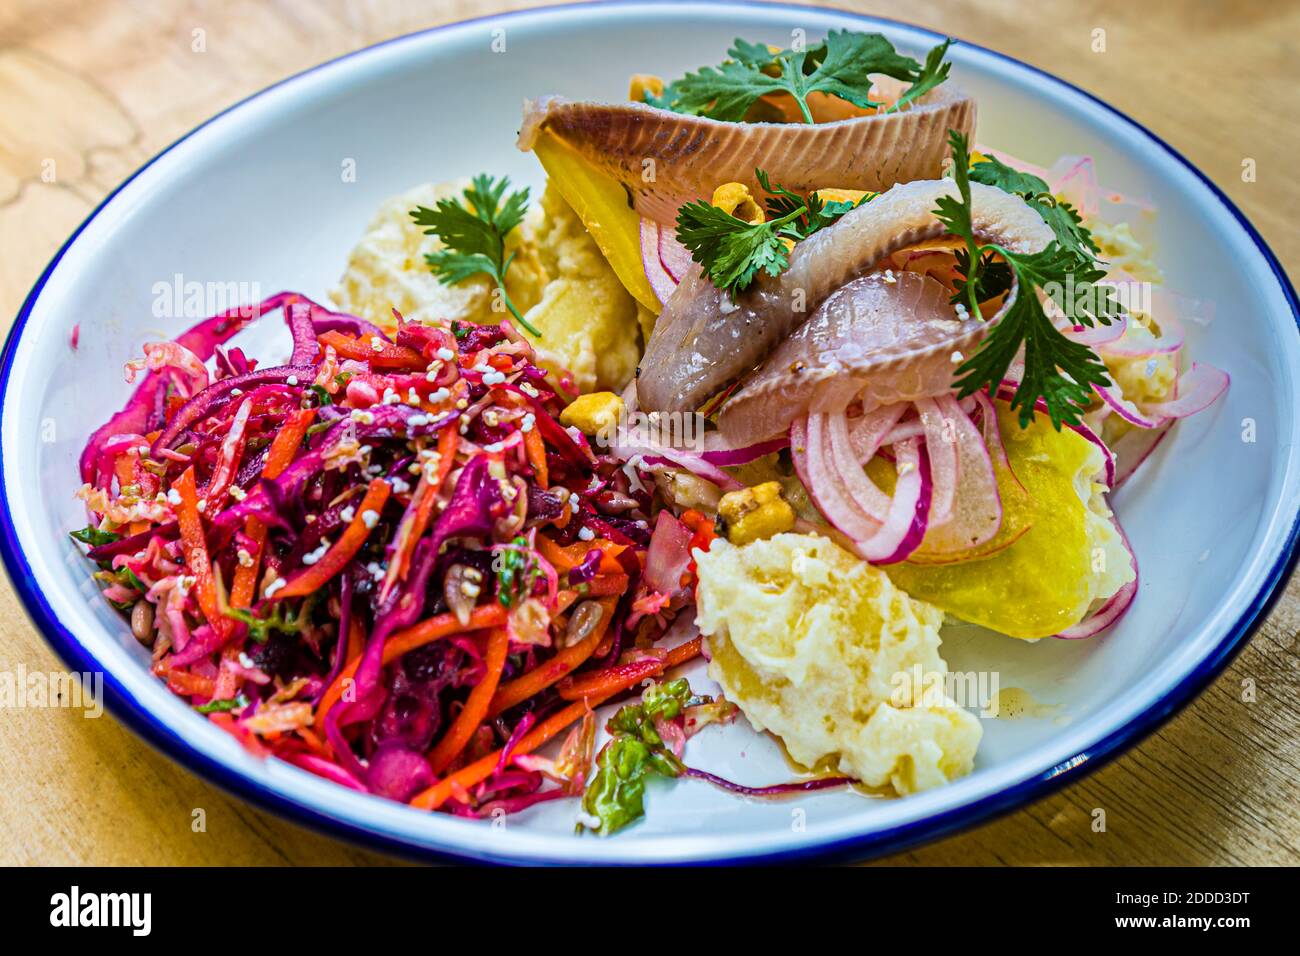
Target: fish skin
x: 703, y: 341
x: 693, y: 155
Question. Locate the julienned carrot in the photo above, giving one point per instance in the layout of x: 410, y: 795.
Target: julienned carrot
x: 284, y: 447
x: 480, y: 770
x: 345, y: 548
x: 380, y: 353
x: 535, y: 450
x: 399, y: 643
x: 568, y: 557
x: 196, y: 551
x: 548, y: 672
x: 448, y: 439
x: 476, y: 705
x: 598, y: 682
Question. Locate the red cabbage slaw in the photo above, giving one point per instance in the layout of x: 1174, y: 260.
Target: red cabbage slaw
x: 385, y: 561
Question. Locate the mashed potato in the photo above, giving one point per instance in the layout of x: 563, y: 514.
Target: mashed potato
x: 558, y: 278
x: 822, y: 649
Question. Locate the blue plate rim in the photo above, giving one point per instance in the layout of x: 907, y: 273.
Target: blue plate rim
x: 121, y: 704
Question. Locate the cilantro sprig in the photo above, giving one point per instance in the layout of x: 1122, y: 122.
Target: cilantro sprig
x: 1059, y: 371
x: 733, y: 252
x: 840, y: 66
x: 474, y: 232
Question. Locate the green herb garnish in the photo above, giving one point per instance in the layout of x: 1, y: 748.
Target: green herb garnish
x: 516, y: 572
x: 733, y: 251
x: 474, y: 234
x: 616, y: 794
x: 222, y: 706
x: 282, y: 618
x: 1059, y: 371
x: 93, y: 537
x: 841, y: 66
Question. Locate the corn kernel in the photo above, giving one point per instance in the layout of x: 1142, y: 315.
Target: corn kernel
x: 736, y: 199
x: 643, y: 83
x: 841, y: 195
x: 593, y: 413
x: 754, y: 513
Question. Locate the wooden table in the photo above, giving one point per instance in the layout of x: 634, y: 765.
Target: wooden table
x: 98, y: 86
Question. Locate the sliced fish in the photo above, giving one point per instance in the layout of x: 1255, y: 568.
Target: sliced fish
x: 703, y: 341
x: 665, y: 159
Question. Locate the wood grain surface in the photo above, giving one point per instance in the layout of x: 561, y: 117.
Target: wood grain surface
x: 96, y: 87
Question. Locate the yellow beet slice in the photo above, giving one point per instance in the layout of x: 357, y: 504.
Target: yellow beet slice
x: 602, y: 205
x: 1042, y: 582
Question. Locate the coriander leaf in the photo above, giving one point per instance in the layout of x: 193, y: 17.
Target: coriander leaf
x: 473, y: 234
x: 1063, y: 218
x: 93, y: 536
x: 731, y: 250
x: 932, y: 74
x: 841, y: 66
x: 1058, y: 371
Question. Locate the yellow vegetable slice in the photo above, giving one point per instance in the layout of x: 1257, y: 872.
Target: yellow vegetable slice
x: 602, y: 205
x: 1043, y: 582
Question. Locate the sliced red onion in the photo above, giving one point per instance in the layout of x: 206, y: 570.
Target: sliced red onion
x: 1133, y: 448
x: 843, y: 457
x: 668, y: 554
x: 717, y: 452
x: 941, y: 446
x: 1099, y: 334
x: 661, y: 281
x: 823, y: 480
x: 1127, y: 410
x: 673, y: 256
x: 874, y: 429
x: 1198, y: 388
x: 694, y: 462
x: 905, y: 525
x: 976, y: 514
x: 1172, y: 336
x: 1114, y: 607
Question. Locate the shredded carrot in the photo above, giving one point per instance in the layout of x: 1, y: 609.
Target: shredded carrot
x: 599, y: 682
x: 535, y: 449
x: 387, y: 355
x: 548, y: 672
x: 345, y: 548
x: 568, y: 557
x: 448, y: 439
x: 475, y: 773
x: 284, y: 447
x: 476, y: 705
x: 399, y: 643
x: 196, y: 551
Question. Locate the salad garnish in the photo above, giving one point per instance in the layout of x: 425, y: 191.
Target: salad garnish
x: 1058, y: 370
x: 474, y: 233
x: 733, y: 251
x: 840, y: 66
